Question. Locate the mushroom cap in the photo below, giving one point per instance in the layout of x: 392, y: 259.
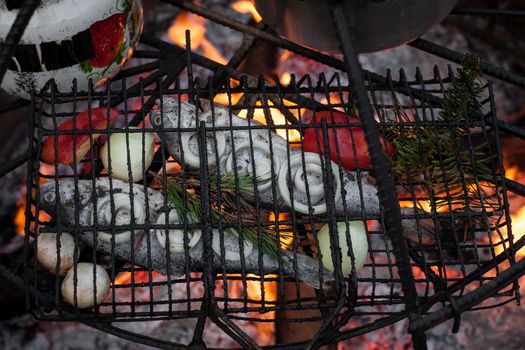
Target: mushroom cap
x: 87, y: 295
x: 47, y: 251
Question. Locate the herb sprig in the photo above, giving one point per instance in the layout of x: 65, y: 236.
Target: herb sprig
x: 188, y: 205
x: 433, y: 153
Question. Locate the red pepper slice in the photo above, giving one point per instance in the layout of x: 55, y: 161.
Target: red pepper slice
x: 340, y: 141
x: 100, y: 120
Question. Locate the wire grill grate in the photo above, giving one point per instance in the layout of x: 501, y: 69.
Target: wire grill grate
x: 457, y: 263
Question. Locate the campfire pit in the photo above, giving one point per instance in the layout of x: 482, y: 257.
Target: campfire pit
x: 428, y: 262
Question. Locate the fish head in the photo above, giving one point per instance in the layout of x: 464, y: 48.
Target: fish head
x: 58, y: 198
x: 173, y: 113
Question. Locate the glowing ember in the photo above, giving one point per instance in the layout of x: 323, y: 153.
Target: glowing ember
x: 19, y: 219
x: 246, y: 6
x: 196, y: 25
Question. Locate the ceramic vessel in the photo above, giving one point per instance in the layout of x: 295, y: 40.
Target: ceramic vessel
x: 70, y: 39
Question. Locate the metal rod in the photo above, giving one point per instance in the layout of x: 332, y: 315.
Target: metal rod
x: 19, y: 103
x: 14, y: 163
x: 386, y: 188
x: 276, y: 40
x: 488, y: 12
x: 471, y: 299
x: 451, y: 55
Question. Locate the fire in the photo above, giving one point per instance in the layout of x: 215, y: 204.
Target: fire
x: 254, y: 290
x: 517, y: 216
x: 20, y: 220
x: 511, y: 172
x: 224, y: 100
x: 518, y: 231
x: 246, y: 6
x: 172, y: 167
x: 285, y: 78
x: 278, y: 118
x: 333, y: 99
x: 138, y: 277
x: 122, y: 278
x: 423, y: 204
x: 286, y: 237
x: 196, y: 25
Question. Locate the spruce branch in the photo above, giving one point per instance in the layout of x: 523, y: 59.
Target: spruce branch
x: 188, y: 206
x: 432, y: 153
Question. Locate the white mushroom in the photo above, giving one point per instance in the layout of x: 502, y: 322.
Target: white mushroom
x: 85, y: 275
x: 255, y: 154
x: 119, y: 146
x: 121, y: 207
x: 50, y: 248
x: 215, y: 144
x: 176, y: 236
x: 310, y: 172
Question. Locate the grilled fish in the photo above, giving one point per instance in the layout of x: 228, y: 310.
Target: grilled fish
x: 245, y: 146
x: 125, y: 217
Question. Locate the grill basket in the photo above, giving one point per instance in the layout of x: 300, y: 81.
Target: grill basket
x: 143, y: 288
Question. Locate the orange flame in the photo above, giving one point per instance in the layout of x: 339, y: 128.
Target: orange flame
x: 224, y: 100
x: 518, y: 231
x: 286, y: 240
x: 278, y: 118
x: 285, y: 78
x: 20, y: 220
x: 246, y: 6
x: 254, y: 289
x: 517, y: 217
x: 196, y: 25
x: 123, y: 278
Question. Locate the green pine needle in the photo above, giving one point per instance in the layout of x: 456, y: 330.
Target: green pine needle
x: 188, y: 206
x: 432, y: 156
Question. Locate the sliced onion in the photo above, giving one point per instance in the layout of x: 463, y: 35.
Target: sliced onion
x: 122, y: 210
x: 299, y: 176
x: 215, y: 142
x: 359, y: 240
x: 230, y: 239
x: 175, y: 236
x: 263, y: 163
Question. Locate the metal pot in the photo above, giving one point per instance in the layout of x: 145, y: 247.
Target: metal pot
x: 378, y: 24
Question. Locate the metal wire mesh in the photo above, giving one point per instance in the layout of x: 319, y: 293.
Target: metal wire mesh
x: 194, y: 139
